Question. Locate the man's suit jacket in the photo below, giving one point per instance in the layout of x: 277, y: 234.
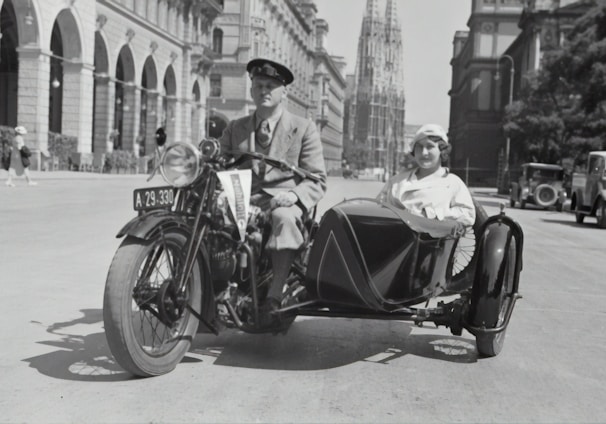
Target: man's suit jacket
x: 294, y: 140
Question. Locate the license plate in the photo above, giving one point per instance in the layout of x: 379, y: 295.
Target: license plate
x: 153, y: 198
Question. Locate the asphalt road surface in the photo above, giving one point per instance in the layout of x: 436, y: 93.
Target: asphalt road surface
x: 56, y: 243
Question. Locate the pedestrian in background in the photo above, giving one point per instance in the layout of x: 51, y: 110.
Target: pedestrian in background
x: 19, y: 160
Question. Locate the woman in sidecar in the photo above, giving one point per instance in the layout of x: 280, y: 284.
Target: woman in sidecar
x: 423, y: 237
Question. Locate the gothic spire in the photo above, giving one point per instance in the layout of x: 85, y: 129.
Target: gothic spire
x: 391, y: 15
x: 372, y: 9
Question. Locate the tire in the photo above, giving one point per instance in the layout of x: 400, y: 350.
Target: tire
x: 145, y: 343
x: 600, y: 213
x: 545, y: 196
x: 489, y: 307
x: 465, y: 255
x: 578, y: 215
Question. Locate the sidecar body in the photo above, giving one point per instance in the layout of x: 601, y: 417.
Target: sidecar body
x: 372, y: 259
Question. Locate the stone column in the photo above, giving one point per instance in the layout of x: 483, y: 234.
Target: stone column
x: 104, y: 112
x: 130, y: 120
x: 32, y: 103
x: 152, y: 122
x: 76, y: 117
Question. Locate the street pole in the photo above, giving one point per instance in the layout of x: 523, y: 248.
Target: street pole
x: 510, y: 101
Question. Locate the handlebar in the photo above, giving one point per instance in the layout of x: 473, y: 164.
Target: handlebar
x: 276, y: 163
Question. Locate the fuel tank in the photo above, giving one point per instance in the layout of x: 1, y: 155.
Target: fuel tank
x: 370, y: 255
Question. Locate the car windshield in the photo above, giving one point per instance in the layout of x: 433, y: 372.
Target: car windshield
x: 554, y: 174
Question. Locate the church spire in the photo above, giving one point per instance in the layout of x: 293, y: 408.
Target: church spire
x: 391, y: 15
x: 372, y: 9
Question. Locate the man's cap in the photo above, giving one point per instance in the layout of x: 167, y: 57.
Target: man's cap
x: 432, y: 131
x: 20, y: 130
x: 270, y: 69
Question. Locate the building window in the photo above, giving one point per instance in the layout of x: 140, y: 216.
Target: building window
x: 215, y: 85
x: 218, y: 40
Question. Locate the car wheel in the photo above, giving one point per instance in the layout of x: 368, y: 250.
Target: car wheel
x: 578, y: 215
x: 600, y: 213
x: 545, y: 196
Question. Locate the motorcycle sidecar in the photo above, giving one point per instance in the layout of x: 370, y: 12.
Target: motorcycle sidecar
x: 369, y: 259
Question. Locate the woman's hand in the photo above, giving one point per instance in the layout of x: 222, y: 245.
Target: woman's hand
x: 283, y: 199
x: 458, y: 230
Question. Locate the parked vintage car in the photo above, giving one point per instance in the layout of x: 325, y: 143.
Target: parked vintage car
x: 588, y: 190
x: 540, y: 184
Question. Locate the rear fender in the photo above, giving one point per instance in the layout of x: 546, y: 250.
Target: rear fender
x: 498, y: 234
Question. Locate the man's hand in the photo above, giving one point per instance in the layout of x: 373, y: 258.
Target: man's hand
x: 283, y: 199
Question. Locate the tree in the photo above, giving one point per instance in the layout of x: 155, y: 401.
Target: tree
x: 561, y: 112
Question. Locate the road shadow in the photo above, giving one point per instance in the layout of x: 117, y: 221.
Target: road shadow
x: 310, y: 344
x: 80, y: 357
x: 317, y: 344
x: 563, y: 221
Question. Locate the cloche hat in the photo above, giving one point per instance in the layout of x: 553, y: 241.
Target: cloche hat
x: 20, y: 130
x: 432, y: 131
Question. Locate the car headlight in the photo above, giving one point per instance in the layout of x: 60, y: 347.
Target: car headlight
x: 209, y: 148
x: 180, y: 164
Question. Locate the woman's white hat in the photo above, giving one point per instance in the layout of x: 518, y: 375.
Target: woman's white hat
x: 20, y: 130
x: 429, y: 130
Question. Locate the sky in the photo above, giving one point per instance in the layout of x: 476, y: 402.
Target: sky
x: 428, y: 28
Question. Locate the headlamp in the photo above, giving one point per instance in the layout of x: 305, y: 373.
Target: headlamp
x: 180, y: 164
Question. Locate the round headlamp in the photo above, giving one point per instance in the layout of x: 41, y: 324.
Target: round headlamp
x: 180, y: 164
x: 210, y: 148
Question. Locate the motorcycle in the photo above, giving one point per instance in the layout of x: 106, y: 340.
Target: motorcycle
x: 195, y: 254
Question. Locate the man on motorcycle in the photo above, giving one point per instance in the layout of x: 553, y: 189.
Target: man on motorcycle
x: 274, y: 131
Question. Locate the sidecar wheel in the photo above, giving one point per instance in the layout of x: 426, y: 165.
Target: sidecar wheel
x: 493, y: 300
x: 466, y: 253
x: 148, y: 328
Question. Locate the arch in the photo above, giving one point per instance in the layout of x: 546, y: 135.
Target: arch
x: 9, y: 64
x: 29, y: 25
x: 101, y: 95
x: 147, y: 108
x: 55, y: 81
x: 127, y: 63
x: 70, y: 33
x: 170, y: 82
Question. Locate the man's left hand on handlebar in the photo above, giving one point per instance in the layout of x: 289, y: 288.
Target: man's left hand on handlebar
x: 284, y: 199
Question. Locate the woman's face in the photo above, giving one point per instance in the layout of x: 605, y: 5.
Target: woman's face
x: 427, y: 154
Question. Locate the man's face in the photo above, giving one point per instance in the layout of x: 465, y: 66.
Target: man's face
x: 267, y: 92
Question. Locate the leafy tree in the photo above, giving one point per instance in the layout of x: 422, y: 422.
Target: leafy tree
x: 562, y: 111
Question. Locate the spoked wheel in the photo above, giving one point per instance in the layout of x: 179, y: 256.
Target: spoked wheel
x: 465, y: 254
x: 491, y: 302
x: 148, y: 326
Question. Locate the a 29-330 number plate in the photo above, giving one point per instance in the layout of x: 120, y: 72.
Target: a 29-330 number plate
x: 153, y: 198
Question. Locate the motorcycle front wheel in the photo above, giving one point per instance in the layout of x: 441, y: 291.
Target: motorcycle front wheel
x: 147, y: 324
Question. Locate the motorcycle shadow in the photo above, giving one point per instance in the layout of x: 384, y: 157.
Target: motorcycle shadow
x: 81, y: 357
x: 317, y: 344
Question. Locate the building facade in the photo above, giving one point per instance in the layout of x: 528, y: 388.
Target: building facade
x: 475, y: 95
x: 108, y: 72
x: 378, y: 102
x: 289, y: 32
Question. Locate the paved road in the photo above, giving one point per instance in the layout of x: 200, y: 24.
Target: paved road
x: 56, y: 243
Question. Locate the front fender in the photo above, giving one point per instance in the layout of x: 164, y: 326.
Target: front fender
x: 146, y: 225
x: 499, y: 232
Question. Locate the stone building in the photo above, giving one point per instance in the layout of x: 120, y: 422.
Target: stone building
x: 289, y: 32
x: 109, y: 72
x: 475, y: 95
x: 378, y: 103
x: 506, y: 39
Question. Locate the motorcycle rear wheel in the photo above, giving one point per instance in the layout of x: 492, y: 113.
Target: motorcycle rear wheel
x: 148, y: 328
x: 489, y: 344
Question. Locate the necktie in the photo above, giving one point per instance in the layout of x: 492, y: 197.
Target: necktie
x: 262, y: 134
